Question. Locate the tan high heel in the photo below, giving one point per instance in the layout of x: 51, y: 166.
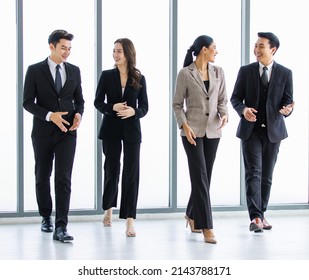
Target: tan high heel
x: 209, y: 236
x: 190, y: 222
x: 107, y: 220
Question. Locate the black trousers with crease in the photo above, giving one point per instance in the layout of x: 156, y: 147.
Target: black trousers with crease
x: 112, y: 150
x: 200, y: 160
x: 260, y: 157
x: 58, y: 149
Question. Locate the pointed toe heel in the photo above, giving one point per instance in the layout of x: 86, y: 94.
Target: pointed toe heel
x: 190, y: 222
x: 209, y: 236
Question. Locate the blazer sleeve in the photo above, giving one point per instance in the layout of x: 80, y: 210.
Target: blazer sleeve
x: 222, y: 96
x: 288, y: 90
x: 179, y: 98
x: 100, y: 104
x: 78, y: 98
x: 30, y: 95
x: 238, y: 95
x: 142, y: 100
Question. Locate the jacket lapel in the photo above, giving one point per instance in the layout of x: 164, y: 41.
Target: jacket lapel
x: 46, y: 71
x: 256, y: 79
x: 213, y: 76
x: 117, y: 83
x: 68, y: 73
x: 272, y: 77
x: 194, y: 72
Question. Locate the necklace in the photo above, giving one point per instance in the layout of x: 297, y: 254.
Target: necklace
x: 203, y: 73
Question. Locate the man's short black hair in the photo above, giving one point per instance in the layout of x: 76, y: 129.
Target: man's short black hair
x: 273, y: 39
x: 59, y: 34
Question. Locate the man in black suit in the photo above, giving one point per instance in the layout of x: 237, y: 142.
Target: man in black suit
x: 262, y: 97
x: 53, y: 94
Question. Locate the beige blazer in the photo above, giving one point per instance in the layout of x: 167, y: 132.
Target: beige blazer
x: 199, y: 108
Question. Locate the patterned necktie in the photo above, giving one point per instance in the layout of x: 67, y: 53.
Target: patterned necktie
x: 264, y: 76
x: 58, y: 82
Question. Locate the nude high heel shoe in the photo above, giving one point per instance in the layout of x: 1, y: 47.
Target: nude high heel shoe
x: 209, y: 236
x: 190, y: 222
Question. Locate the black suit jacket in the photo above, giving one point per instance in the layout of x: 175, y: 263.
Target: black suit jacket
x: 108, y: 93
x: 247, y: 93
x: 40, y: 96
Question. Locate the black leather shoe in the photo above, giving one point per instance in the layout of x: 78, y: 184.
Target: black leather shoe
x: 47, y: 225
x: 62, y: 235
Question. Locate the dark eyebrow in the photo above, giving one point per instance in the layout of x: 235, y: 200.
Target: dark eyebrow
x: 65, y: 47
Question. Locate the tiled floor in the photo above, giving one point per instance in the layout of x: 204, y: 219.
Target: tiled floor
x: 160, y: 237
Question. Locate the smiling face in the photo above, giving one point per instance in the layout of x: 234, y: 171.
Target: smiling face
x: 118, y: 55
x: 209, y: 53
x: 212, y: 52
x: 61, y: 51
x: 263, y: 52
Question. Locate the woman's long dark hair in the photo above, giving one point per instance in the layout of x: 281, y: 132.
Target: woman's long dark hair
x: 129, y: 52
x: 198, y: 44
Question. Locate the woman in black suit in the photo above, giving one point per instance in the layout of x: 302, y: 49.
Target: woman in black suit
x: 121, y: 97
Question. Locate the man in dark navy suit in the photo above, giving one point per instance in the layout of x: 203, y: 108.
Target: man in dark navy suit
x: 262, y: 97
x: 53, y: 94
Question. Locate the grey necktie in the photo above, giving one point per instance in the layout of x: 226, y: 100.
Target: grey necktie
x: 58, y: 82
x: 264, y: 76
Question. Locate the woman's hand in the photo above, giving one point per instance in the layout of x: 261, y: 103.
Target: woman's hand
x: 126, y: 112
x: 224, y: 120
x: 189, y: 134
x: 119, y: 106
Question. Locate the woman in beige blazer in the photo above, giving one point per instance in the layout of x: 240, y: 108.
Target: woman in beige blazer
x: 200, y: 107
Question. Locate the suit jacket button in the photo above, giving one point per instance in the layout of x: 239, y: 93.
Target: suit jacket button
x: 207, y: 98
x: 207, y: 114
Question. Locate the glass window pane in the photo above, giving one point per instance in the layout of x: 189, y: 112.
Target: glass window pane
x: 290, y: 180
x: 198, y: 17
x: 8, y: 144
x: 79, y: 22
x: 151, y: 41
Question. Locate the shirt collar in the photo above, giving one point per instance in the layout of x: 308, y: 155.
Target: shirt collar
x: 53, y: 65
x: 269, y: 66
